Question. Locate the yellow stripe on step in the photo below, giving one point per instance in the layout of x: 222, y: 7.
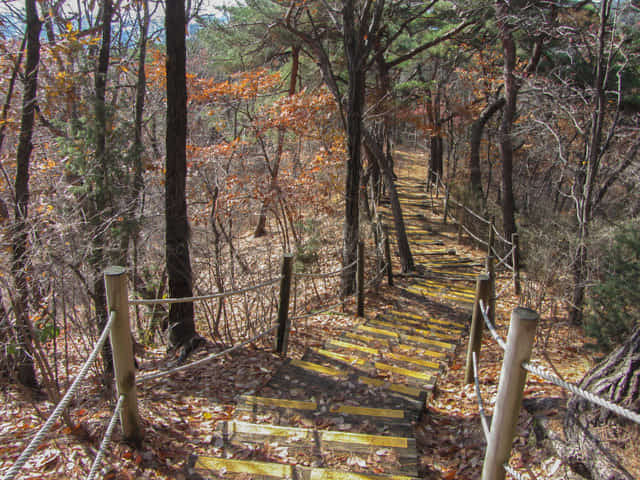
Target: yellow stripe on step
x: 245, y: 466
x: 394, y: 387
x: 363, y: 439
x: 338, y: 356
x: 353, y: 346
x: 321, y: 474
x: 270, y: 430
x: 318, y: 368
x: 366, y: 338
x: 406, y: 314
x: 427, y: 341
x: 370, y: 412
x: 413, y: 329
x: 280, y: 402
x: 417, y: 361
x: 404, y: 371
x: 413, y: 350
x: 379, y: 331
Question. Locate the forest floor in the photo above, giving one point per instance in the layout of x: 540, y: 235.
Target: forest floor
x: 180, y: 412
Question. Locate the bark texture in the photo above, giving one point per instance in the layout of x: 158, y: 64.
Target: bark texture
x: 25, y: 366
x: 181, y: 324
x: 616, y: 378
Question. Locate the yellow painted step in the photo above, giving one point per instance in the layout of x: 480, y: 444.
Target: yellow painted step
x: 338, y: 356
x: 406, y: 314
x: 314, y: 367
x: 368, y: 411
x: 414, y: 360
x: 394, y: 387
x: 404, y: 371
x: 413, y: 329
x: 353, y: 346
x: 328, y: 436
x: 428, y: 341
x: 367, y: 338
x: 279, y: 402
x: 411, y: 350
x: 322, y: 474
x: 378, y: 331
x: 275, y: 470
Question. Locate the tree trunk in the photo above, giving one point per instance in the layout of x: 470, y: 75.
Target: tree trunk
x: 475, y: 175
x: 26, y: 371
x: 587, y: 175
x: 181, y: 323
x: 375, y: 151
x: 355, y: 108
x: 617, y: 379
x: 262, y: 221
x: 102, y: 202
x: 508, y: 117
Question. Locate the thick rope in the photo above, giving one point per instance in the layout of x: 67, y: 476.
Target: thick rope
x: 327, y: 275
x: 106, y: 440
x: 601, y: 402
x: 483, y: 416
x: 494, y: 333
x: 503, y: 261
x: 477, y: 215
x: 514, y: 473
x: 62, y: 405
x: 171, y: 371
x: 169, y: 301
x: 477, y: 239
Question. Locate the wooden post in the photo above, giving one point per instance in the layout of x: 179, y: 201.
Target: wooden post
x: 446, y: 208
x: 522, y: 331
x: 360, y: 279
x: 115, y: 281
x: 477, y: 322
x: 515, y: 260
x: 387, y: 256
x: 282, y: 335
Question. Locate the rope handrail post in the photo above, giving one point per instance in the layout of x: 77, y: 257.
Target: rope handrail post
x: 115, y: 280
x: 522, y: 331
x: 284, y: 324
x: 360, y: 279
x: 483, y: 283
x: 387, y: 256
x: 515, y: 260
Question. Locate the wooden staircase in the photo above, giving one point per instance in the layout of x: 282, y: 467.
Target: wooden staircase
x: 347, y: 411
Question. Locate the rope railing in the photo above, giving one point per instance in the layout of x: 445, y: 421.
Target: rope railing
x: 106, y: 440
x: 211, y: 296
x: 328, y: 274
x: 503, y: 260
x: 516, y: 364
x: 213, y: 356
x: 62, y: 405
x: 601, y: 402
x: 484, y: 309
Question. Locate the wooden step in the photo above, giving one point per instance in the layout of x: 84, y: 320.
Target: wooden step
x: 257, y: 470
x: 235, y: 431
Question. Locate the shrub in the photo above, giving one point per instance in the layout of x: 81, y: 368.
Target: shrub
x: 614, y: 303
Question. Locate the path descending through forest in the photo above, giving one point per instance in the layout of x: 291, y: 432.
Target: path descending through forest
x: 347, y: 411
